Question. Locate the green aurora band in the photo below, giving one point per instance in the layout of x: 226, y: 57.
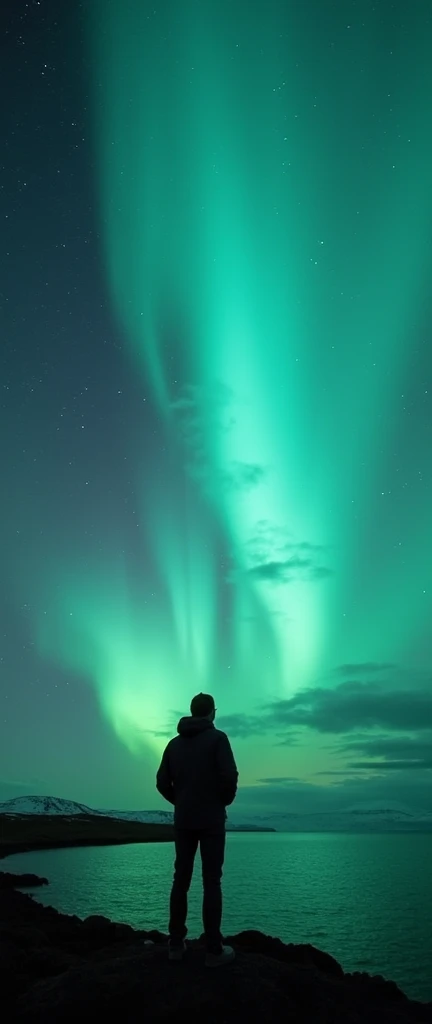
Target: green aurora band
x: 265, y: 257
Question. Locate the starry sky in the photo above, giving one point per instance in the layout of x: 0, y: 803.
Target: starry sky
x: 216, y: 395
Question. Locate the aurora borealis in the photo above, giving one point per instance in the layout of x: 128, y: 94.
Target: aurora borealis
x: 217, y: 411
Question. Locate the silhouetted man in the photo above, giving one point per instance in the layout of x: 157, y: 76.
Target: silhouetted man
x: 198, y: 774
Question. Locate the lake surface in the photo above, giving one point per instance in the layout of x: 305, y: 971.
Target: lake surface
x: 366, y: 899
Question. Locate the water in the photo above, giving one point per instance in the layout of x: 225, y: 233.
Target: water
x: 366, y: 899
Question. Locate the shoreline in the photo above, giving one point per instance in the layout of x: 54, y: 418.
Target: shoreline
x: 9, y: 849
x: 33, y: 832
x: 57, y: 967
x: 66, y: 953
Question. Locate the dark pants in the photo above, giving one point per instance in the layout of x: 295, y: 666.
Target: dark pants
x: 212, y: 849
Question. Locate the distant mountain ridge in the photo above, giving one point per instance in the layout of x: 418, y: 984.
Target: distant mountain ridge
x: 57, y: 805
x: 52, y: 805
x: 373, y: 817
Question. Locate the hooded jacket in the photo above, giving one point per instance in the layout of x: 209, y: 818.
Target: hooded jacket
x: 198, y: 774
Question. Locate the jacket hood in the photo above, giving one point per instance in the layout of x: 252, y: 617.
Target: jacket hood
x: 191, y: 726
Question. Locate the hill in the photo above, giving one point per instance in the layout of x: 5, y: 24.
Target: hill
x: 19, y: 833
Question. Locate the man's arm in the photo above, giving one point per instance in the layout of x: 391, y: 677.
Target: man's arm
x: 226, y: 769
x: 163, y: 779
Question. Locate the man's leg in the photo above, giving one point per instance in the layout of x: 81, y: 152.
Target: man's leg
x: 212, y: 849
x: 186, y: 842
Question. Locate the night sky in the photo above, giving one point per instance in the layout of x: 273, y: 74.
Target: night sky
x: 216, y: 395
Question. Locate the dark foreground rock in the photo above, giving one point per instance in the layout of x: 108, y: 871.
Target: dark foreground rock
x: 59, y: 968
x: 9, y: 881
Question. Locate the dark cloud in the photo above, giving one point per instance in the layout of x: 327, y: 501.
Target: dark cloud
x: 363, y: 668
x: 406, y: 790
x: 347, y: 708
x: 289, y: 570
x: 390, y: 765
x: 199, y: 411
x: 392, y: 747
x: 274, y: 556
x: 354, y: 705
x: 305, y: 546
x: 242, y: 476
x: 398, y: 753
x: 241, y: 725
x: 280, y: 780
x: 269, y: 538
x: 196, y: 410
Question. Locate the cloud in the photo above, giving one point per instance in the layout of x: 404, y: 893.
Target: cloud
x: 280, y: 780
x: 241, y: 725
x: 363, y: 668
x: 409, y: 747
x: 391, y: 765
x: 351, y: 706
x: 203, y: 412
x: 273, y: 555
x: 269, y: 538
x: 242, y: 476
x: 410, y: 789
x: 399, y: 753
x: 289, y: 570
x: 354, y: 705
x: 198, y: 411
x: 341, y: 772
x: 353, y: 709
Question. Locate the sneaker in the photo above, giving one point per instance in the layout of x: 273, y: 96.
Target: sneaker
x: 175, y: 951
x: 218, y: 959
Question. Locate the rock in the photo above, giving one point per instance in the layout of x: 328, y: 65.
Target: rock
x: 287, y: 953
x: 26, y: 935
x: 97, y: 923
x: 106, y: 931
x: 8, y: 881
x: 55, y: 967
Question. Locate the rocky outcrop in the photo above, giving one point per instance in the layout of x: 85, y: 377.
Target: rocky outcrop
x: 59, y: 968
x: 8, y: 881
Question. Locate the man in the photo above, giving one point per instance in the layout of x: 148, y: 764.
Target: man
x: 198, y: 774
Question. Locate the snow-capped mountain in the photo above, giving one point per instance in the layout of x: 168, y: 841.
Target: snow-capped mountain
x: 391, y: 810
x: 51, y: 805
x: 43, y: 805
x: 365, y: 817
x: 151, y: 817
